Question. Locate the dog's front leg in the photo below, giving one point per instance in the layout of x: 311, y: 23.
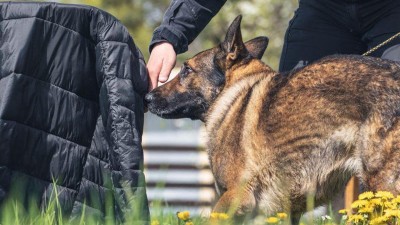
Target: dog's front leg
x: 295, y: 218
x: 240, y: 202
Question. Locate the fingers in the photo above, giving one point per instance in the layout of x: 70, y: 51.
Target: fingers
x: 168, y: 65
x: 153, y: 67
x: 162, y: 60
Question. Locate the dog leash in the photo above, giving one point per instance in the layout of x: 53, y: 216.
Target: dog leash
x: 381, y: 44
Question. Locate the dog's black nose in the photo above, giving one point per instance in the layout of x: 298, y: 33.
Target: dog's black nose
x: 149, y: 97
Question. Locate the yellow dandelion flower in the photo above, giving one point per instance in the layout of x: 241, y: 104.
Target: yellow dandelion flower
x: 378, y: 221
x: 272, y: 220
x: 392, y: 213
x: 359, y: 204
x: 384, y: 195
x: 383, y: 218
x: 376, y: 201
x: 396, y: 200
x: 390, y: 205
x: 155, y: 222
x: 223, y: 216
x: 356, y: 218
x: 367, y: 209
x: 282, y: 216
x: 366, y: 195
x: 189, y: 223
x: 214, y: 215
x: 219, y: 216
x: 343, y: 211
x: 185, y: 215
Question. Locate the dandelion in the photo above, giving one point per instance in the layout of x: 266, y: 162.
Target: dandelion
x: 392, y: 213
x: 376, y: 202
x: 272, y: 220
x: 282, y: 216
x: 374, y: 209
x: 223, y: 216
x: 396, y: 200
x: 378, y: 221
x: 384, y: 195
x: 367, y: 209
x: 185, y: 215
x: 219, y: 216
x: 155, y: 222
x: 343, y: 211
x: 390, y: 205
x: 359, y: 204
x: 214, y: 215
x: 366, y: 195
x: 356, y: 218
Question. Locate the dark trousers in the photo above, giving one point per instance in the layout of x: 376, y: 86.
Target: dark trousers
x: 325, y: 27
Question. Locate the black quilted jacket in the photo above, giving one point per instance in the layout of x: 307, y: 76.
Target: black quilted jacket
x: 71, y: 110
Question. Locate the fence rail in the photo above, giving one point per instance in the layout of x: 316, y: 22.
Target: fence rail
x: 179, y: 178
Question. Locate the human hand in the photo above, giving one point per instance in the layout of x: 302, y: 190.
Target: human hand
x: 162, y: 60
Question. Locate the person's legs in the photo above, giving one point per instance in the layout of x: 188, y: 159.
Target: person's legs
x: 381, y: 21
x: 320, y: 28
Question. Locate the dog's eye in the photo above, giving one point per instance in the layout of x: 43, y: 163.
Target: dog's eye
x: 186, y: 69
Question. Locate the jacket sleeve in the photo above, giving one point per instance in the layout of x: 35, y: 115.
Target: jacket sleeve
x: 183, y: 21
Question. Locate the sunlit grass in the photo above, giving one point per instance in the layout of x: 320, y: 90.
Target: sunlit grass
x: 370, y: 209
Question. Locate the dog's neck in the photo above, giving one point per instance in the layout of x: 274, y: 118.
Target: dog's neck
x: 241, y: 82
x: 245, y: 69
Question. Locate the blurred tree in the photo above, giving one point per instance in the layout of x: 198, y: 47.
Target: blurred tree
x: 260, y: 18
x: 141, y: 17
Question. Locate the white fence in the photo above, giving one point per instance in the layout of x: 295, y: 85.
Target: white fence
x: 176, y: 168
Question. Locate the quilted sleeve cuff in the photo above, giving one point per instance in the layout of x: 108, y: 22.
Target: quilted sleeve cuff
x: 174, y: 37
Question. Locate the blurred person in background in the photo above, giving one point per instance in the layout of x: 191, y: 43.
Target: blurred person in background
x: 317, y: 29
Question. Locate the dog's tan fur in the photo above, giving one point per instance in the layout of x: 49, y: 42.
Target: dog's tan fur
x: 275, y: 138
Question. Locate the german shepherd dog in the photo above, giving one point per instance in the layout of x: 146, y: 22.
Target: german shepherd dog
x: 274, y: 138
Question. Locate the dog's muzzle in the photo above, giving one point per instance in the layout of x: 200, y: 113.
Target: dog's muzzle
x: 149, y: 98
x: 154, y: 102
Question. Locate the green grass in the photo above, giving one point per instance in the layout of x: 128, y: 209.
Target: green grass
x: 14, y: 213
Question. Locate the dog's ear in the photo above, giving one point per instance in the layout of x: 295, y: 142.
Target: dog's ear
x: 233, y: 44
x: 257, y: 46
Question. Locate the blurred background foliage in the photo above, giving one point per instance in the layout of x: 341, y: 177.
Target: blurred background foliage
x: 260, y: 18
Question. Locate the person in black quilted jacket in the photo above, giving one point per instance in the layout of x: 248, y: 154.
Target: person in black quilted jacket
x: 71, y: 111
x: 318, y: 28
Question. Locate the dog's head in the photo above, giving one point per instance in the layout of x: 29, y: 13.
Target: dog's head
x: 191, y: 93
